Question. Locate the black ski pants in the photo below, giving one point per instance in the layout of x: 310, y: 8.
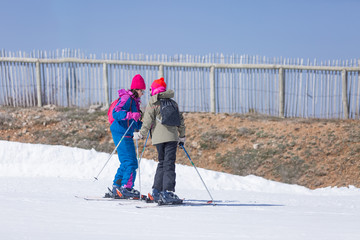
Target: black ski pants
x: 165, y: 172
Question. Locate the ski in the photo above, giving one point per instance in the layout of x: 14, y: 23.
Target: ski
x: 183, y: 204
x: 95, y: 198
x: 148, y: 200
x: 109, y: 196
x: 109, y: 199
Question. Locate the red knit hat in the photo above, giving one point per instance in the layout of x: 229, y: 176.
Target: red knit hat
x: 138, y: 82
x: 158, y: 86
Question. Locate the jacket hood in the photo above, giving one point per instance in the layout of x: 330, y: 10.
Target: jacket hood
x: 124, y: 95
x: 167, y: 94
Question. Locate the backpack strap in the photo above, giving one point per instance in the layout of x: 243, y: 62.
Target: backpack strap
x: 128, y: 121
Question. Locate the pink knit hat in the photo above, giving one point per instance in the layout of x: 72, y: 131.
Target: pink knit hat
x: 138, y: 82
x: 158, y: 86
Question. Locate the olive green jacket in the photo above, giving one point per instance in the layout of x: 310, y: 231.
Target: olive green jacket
x: 152, y: 120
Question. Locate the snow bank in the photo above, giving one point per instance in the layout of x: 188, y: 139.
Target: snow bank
x: 38, y: 160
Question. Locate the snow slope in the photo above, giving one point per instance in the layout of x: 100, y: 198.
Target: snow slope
x: 38, y: 185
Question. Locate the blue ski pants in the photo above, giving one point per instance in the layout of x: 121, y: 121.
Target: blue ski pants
x: 126, y: 173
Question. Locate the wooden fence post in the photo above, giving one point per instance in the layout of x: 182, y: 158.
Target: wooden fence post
x: 38, y: 84
x: 106, y: 86
x: 161, y: 71
x: 212, y: 90
x: 344, y: 94
x: 281, y: 92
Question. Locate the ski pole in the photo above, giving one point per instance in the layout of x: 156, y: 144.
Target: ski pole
x: 96, y: 178
x: 182, y: 146
x: 144, y: 146
x: 137, y: 155
x: 139, y: 159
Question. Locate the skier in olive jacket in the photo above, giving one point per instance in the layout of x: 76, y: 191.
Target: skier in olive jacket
x: 165, y: 138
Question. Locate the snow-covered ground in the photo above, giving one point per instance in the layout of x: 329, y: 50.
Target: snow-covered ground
x: 38, y: 185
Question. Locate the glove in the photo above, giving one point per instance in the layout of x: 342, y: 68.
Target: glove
x: 133, y: 115
x: 182, y: 141
x: 136, y: 116
x: 137, y: 136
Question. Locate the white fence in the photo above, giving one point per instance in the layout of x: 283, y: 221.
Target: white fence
x: 276, y: 87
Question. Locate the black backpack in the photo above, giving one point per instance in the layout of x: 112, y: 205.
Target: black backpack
x: 169, y: 112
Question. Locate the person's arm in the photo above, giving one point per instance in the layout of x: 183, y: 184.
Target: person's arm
x: 121, y: 109
x: 181, y: 128
x: 148, y: 119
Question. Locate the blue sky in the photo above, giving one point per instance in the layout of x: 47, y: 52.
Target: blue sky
x: 321, y: 29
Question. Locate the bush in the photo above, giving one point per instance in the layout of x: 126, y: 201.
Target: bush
x: 286, y: 167
x: 245, y: 162
x: 211, y: 140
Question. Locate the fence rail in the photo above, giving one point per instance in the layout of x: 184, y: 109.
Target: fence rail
x: 283, y: 90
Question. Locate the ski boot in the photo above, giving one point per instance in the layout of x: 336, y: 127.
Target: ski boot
x: 169, y: 198
x: 124, y: 193
x: 112, y: 193
x: 129, y: 193
x: 154, y: 196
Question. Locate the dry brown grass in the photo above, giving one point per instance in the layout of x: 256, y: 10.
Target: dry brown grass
x: 313, y: 153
